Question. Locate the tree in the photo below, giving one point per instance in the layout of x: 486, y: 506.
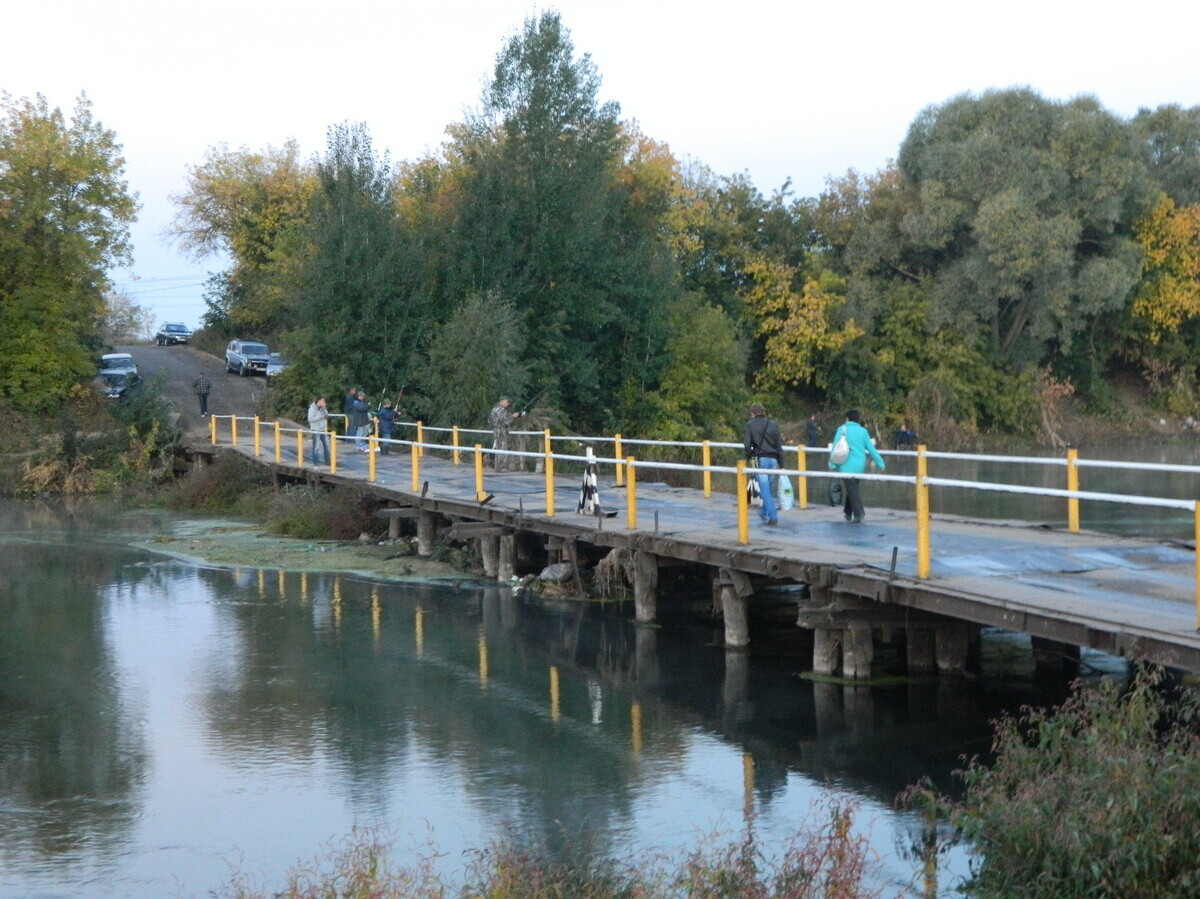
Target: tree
x: 1022, y: 216
x: 125, y: 320
x: 1171, y: 137
x: 247, y: 205
x: 65, y: 212
x: 361, y: 322
x: 475, y: 357
x: 550, y: 216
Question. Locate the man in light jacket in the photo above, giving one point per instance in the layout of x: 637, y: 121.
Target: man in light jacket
x: 861, y: 445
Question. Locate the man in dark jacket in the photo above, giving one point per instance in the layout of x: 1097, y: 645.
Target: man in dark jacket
x: 764, y: 446
x: 203, y: 386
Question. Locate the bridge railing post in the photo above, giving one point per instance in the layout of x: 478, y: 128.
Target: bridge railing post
x: 549, y: 475
x: 300, y: 449
x: 257, y: 439
x: 278, y: 448
x: 212, y: 429
x: 922, y: 503
x: 372, y: 449
x: 333, y: 445
x: 743, y: 506
x: 478, y: 473
x: 1073, y: 486
x: 801, y: 481
x: 619, y: 473
x: 416, y: 462
x: 454, y: 456
x: 630, y: 495
x: 706, y: 461
x: 233, y: 430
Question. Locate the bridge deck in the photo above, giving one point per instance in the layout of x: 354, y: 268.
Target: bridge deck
x: 1122, y: 595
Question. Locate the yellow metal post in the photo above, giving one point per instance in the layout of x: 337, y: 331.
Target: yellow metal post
x: 619, y: 473
x: 706, y: 460
x: 549, y: 477
x: 257, y: 444
x: 420, y: 438
x: 332, y: 453
x: 922, y: 514
x: 743, y: 507
x: 1073, y: 486
x: 212, y: 428
x: 802, y: 481
x: 483, y: 650
x: 454, y: 440
x: 554, y: 703
x: 233, y: 430
x: 478, y: 473
x: 635, y: 729
x: 416, y: 466
x: 278, y: 448
x: 300, y: 449
x: 630, y: 496
x: 372, y: 445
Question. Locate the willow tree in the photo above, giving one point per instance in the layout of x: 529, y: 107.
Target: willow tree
x: 1022, y: 217
x: 65, y: 212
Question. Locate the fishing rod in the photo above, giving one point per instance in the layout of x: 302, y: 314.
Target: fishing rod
x: 530, y: 404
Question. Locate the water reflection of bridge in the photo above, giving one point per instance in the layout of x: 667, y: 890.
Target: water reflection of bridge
x: 866, y: 583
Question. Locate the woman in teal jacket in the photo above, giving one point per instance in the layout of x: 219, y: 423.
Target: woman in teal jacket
x: 860, y: 443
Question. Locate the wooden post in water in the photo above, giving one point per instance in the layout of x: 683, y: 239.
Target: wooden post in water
x: 426, y: 533
x: 645, y: 586
x: 489, y: 551
x: 858, y: 649
x: 735, y: 596
x: 506, y: 561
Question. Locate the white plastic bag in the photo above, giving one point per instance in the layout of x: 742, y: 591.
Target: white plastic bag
x: 787, y: 498
x: 841, y: 450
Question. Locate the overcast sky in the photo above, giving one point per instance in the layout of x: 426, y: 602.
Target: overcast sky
x: 785, y: 89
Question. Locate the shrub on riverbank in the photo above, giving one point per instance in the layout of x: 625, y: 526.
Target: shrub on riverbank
x: 315, y: 513
x: 231, y: 485
x: 1097, y: 798
x: 828, y: 860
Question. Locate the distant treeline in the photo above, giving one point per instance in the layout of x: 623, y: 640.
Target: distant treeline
x: 1018, y: 251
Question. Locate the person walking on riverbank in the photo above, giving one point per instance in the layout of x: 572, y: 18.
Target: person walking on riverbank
x: 318, y: 423
x: 764, y: 447
x: 858, y: 439
x: 203, y: 387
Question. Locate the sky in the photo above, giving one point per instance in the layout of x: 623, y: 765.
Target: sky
x: 788, y: 89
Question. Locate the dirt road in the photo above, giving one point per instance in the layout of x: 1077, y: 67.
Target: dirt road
x: 178, y: 367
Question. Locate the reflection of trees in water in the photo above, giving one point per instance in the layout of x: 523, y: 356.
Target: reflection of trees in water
x: 71, y: 758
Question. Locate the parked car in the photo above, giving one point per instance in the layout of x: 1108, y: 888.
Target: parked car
x: 247, y: 357
x: 116, y: 384
x: 117, y: 362
x: 172, y: 333
x: 275, y: 364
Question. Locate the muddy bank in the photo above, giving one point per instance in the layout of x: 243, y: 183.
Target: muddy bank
x: 234, y: 544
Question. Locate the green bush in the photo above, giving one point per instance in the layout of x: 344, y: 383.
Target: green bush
x: 232, y: 484
x: 1098, y: 798
x: 314, y: 513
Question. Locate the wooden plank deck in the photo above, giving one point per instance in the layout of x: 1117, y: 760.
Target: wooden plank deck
x: 1122, y: 595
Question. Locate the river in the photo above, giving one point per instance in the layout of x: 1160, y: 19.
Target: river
x: 163, y: 723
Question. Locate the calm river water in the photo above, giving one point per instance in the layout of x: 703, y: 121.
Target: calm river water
x: 163, y: 723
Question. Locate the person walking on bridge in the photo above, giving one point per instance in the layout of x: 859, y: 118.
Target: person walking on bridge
x: 764, y: 447
x: 860, y: 445
x: 203, y: 387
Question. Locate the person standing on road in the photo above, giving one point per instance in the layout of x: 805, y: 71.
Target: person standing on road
x: 203, y: 386
x: 764, y: 447
x: 318, y: 423
x: 812, y: 432
x: 861, y: 445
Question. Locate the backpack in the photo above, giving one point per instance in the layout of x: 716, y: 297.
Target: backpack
x: 841, y: 449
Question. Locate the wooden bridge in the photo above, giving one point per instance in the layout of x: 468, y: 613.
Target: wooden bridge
x: 926, y: 582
